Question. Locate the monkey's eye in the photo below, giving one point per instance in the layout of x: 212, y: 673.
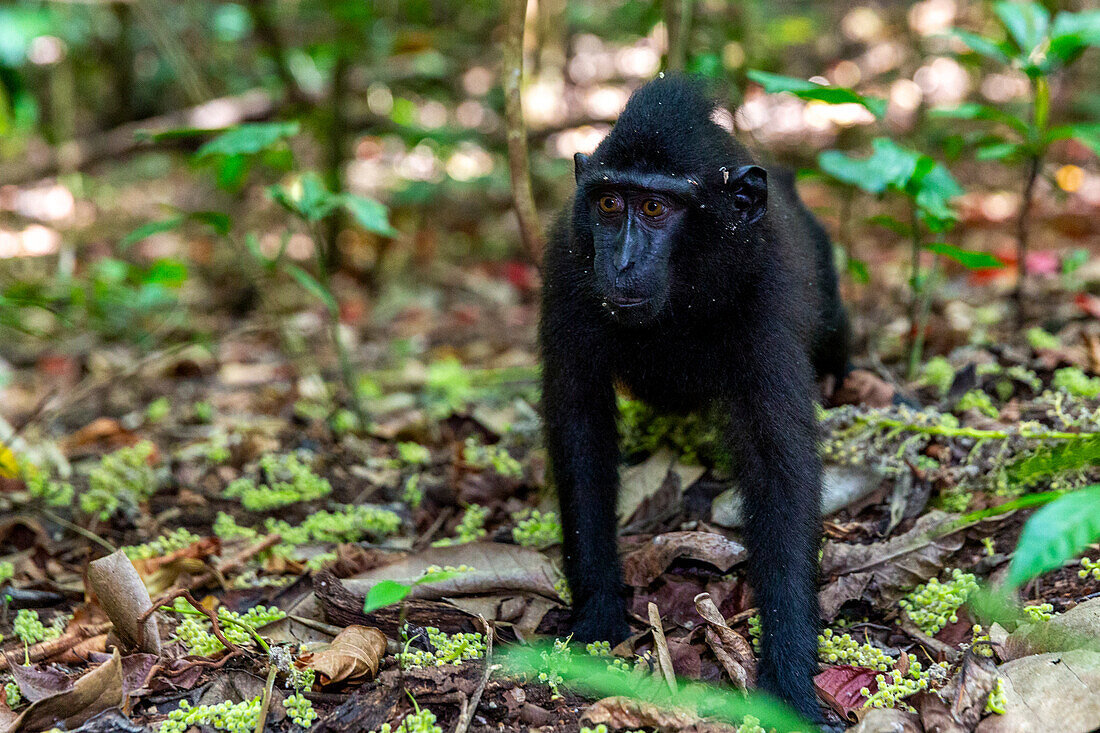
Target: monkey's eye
x: 609, y: 204
x: 653, y: 208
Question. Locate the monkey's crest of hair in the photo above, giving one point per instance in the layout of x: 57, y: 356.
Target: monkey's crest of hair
x: 667, y: 126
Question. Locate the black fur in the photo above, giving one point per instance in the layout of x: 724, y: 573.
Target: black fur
x: 743, y: 309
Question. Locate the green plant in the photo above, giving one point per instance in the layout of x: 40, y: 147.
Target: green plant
x: 158, y: 409
x: 242, y: 717
x: 387, y: 592
x: 287, y: 481
x: 978, y: 401
x: 1040, y: 47
x: 1054, y: 534
x: 925, y: 185
x: 470, y: 528
x: 122, y: 480
x: 194, y: 631
x: 12, y: 696
x: 536, y: 529
x: 1039, y: 612
x: 1089, y: 567
x: 938, y: 373
x: 491, y: 456
x: 1074, y: 381
x: 894, y: 685
x: 177, y: 539
x: 446, y: 649
x: 932, y: 605
x: 1039, y: 339
x: 422, y: 721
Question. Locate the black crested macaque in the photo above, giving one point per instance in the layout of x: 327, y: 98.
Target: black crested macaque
x: 681, y: 274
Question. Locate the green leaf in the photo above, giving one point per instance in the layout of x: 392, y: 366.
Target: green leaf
x: 437, y: 576
x: 803, y: 89
x: 316, y: 201
x: 216, y: 220
x: 889, y: 166
x: 147, y: 230
x: 999, y: 151
x: 167, y: 272
x: 974, y: 111
x: 385, y: 593
x: 249, y: 138
x: 1055, y: 534
x: 315, y: 288
x: 984, y: 46
x: 307, y: 198
x: 370, y: 214
x: 232, y: 171
x: 1027, y: 23
x: 967, y: 258
x: 890, y: 223
x: 1086, y: 133
x: 1072, y: 33
x: 857, y: 270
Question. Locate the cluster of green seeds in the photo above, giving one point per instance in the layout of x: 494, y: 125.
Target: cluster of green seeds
x: 448, y: 649
x: 933, y: 605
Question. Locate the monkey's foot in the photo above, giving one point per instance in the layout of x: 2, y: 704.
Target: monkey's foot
x: 600, y: 621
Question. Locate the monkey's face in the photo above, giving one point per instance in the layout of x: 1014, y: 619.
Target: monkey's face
x: 634, y: 231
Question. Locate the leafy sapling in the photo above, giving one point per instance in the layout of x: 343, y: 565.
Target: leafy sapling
x: 1041, y: 47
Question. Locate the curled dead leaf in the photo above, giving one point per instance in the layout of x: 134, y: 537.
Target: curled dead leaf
x: 733, y: 652
x: 93, y: 693
x: 353, y: 656
x: 625, y: 712
x: 641, y: 567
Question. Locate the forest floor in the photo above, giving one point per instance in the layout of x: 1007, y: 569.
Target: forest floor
x: 226, y: 467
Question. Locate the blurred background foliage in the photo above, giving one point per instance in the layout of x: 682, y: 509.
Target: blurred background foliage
x: 108, y: 107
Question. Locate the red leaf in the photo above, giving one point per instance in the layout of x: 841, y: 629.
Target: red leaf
x: 840, y: 687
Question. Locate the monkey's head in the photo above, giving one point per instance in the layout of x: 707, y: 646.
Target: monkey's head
x: 664, y: 188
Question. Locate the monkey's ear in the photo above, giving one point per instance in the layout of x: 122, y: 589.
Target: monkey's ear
x: 580, y: 162
x: 749, y: 185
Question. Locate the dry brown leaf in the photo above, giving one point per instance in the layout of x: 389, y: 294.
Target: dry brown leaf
x: 1049, y: 692
x: 625, y: 712
x: 497, y: 568
x: 644, y: 565
x: 664, y: 659
x: 883, y: 572
x: 733, y: 652
x: 91, y: 694
x: 887, y: 720
x: 1077, y: 628
x: 123, y: 597
x: 353, y: 656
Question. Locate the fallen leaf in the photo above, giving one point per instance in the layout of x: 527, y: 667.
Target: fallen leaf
x: 840, y: 687
x: 841, y: 486
x: 964, y: 695
x: 734, y: 653
x: 1077, y: 628
x: 644, y: 565
x: 887, y: 720
x: 354, y: 655
x: 861, y: 387
x: 625, y: 712
x: 882, y: 572
x: 38, y: 682
x: 1059, y: 691
x: 497, y: 568
x: 123, y: 597
x: 641, y: 482
x: 93, y: 693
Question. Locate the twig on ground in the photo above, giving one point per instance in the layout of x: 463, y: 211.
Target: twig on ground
x: 268, y: 688
x: 47, y: 649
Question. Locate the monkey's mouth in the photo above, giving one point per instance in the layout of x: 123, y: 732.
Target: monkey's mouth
x: 627, y: 301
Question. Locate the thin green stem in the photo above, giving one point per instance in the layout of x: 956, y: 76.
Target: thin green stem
x: 231, y: 621
x: 950, y: 432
